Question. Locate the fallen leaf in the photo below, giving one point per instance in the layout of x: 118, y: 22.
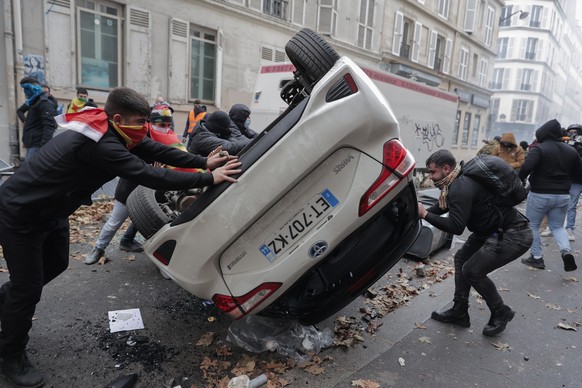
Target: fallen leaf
x: 420, y: 326
x: 500, y: 289
x: 566, y: 326
x: 365, y: 384
x: 102, y: 260
x: 206, y: 339
x: 501, y: 346
x: 553, y: 306
x: 314, y: 370
x: 424, y: 340
x: 570, y: 278
x: 532, y: 296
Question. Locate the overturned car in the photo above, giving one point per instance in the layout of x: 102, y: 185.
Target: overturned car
x: 324, y: 206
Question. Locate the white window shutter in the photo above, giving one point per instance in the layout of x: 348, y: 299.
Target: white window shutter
x: 139, y: 47
x: 59, y: 33
x: 179, y: 61
x: 534, y: 81
x: 218, y: 79
x: 523, y: 47
x: 518, y: 80
x: 545, y: 17
x: 256, y: 4
x: 470, y: 14
x: 510, y: 48
x: 505, y: 79
x: 299, y: 12
x: 432, y: 49
x: 416, y: 41
x: 447, y: 60
x: 397, y: 38
x: 541, y: 52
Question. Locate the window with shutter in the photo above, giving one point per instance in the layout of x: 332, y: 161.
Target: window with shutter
x: 203, y: 63
x: 470, y: 13
x: 60, y: 69
x: 138, y: 47
x: 327, y: 17
x: 398, y: 32
x: 298, y: 12
x: 178, y: 61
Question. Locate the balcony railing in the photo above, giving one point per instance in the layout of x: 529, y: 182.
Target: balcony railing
x: 438, y: 62
x: 531, y: 55
x: 526, y: 87
x: 535, y: 23
x: 276, y: 8
x: 405, y: 51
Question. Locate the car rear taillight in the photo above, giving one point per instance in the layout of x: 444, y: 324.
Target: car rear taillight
x: 397, y: 164
x: 238, y: 307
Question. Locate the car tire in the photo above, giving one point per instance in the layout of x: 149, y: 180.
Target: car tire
x: 311, y: 55
x: 145, y: 211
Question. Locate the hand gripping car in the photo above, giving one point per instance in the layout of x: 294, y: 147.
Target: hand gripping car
x: 324, y: 206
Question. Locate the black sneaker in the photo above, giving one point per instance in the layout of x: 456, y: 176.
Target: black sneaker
x: 535, y: 263
x: 20, y: 371
x: 569, y: 262
x: 130, y: 246
x: 94, y: 256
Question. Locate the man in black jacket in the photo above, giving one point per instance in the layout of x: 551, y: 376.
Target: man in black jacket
x: 470, y: 204
x: 240, y: 115
x: 39, y: 125
x: 551, y: 167
x: 213, y: 133
x: 36, y: 201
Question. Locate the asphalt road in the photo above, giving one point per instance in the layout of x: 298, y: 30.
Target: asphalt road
x: 71, y: 343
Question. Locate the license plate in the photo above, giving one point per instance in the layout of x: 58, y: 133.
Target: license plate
x: 301, y: 223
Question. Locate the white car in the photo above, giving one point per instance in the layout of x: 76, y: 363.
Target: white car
x: 324, y: 206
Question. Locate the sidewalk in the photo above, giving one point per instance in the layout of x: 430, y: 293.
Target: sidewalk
x: 533, y: 351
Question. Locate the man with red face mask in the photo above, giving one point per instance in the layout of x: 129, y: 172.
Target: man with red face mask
x: 36, y: 201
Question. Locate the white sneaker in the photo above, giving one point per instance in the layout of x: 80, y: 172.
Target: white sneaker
x: 571, y: 236
x: 546, y: 233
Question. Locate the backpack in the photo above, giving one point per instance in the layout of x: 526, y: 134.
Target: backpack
x: 498, y: 176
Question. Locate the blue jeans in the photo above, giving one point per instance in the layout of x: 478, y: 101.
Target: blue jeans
x: 30, y: 153
x: 575, y: 191
x: 481, y: 255
x: 117, y: 217
x: 555, y: 207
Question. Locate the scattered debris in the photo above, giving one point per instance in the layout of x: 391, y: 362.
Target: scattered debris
x: 401, y: 361
x: 553, y: 306
x: 365, y: 384
x: 206, y: 339
x: 501, y: 346
x: 424, y: 340
x: 566, y: 326
x: 533, y: 296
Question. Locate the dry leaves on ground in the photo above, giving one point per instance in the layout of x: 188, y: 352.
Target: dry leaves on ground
x: 365, y: 384
x: 501, y: 346
x: 206, y: 339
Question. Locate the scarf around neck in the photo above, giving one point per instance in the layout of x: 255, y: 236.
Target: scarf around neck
x: 444, y: 184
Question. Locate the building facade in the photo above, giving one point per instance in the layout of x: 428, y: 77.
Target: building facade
x: 537, y: 75
x: 211, y: 50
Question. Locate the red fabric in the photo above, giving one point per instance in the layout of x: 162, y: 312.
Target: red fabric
x: 92, y: 123
x: 171, y: 139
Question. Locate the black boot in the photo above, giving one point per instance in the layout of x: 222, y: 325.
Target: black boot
x: 20, y: 371
x: 499, y: 318
x: 458, y: 315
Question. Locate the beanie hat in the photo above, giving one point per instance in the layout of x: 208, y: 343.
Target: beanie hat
x: 161, y: 113
x: 219, y: 123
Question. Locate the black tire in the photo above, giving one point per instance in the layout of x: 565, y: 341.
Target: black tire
x: 312, y: 56
x: 145, y: 212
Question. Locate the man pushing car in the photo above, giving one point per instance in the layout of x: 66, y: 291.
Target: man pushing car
x: 36, y: 201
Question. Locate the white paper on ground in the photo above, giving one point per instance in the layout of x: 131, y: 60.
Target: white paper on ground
x: 123, y: 320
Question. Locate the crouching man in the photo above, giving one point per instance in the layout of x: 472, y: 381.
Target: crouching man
x: 36, y: 201
x: 470, y: 204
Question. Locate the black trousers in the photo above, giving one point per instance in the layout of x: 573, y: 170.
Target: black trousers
x: 36, y: 253
x: 481, y: 255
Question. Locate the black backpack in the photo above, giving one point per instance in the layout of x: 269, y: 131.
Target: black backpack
x: 497, y: 175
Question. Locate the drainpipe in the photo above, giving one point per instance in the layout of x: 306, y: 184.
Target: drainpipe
x: 14, y: 69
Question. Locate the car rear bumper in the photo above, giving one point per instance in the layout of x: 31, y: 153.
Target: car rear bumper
x: 354, y: 265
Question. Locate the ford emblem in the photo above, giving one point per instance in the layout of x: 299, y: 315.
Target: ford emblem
x: 318, y: 249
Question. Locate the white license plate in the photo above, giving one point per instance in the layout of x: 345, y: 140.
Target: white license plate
x: 301, y: 223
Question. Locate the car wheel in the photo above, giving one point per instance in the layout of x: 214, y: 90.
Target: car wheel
x: 312, y: 56
x: 146, y: 211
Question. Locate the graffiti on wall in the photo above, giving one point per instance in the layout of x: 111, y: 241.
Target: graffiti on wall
x: 430, y: 134
x: 34, y: 67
